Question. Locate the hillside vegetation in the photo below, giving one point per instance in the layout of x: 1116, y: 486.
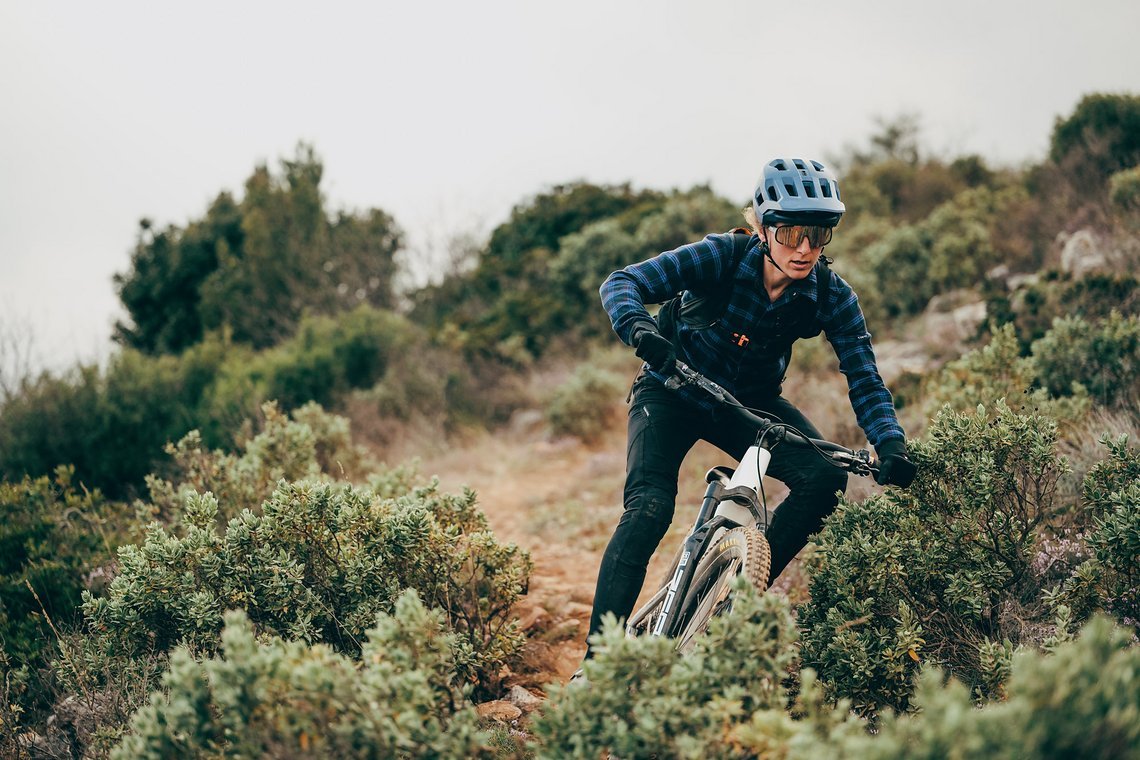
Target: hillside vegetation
x: 205, y: 555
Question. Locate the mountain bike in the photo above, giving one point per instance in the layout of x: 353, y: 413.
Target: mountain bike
x: 728, y: 536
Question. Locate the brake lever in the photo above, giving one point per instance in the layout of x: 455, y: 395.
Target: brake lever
x: 859, y: 462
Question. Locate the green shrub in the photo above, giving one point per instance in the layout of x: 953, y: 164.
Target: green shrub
x: 583, y: 405
x: 644, y: 700
x: 330, y: 355
x: 112, y: 424
x: 1116, y: 550
x: 1081, y: 701
x: 1124, y: 192
x: 318, y: 563
x: 939, y: 573
x: 1034, y: 306
x: 275, y: 698
x: 1110, y: 579
x: 951, y: 248
x: 1102, y: 356
x: 307, y: 444
x: 998, y: 371
x: 1078, y: 701
x: 907, y: 251
x: 55, y: 541
x: 46, y: 540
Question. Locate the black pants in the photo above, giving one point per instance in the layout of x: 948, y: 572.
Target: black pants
x: 662, y: 429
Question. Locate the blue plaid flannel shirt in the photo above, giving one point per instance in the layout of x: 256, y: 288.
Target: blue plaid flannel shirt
x: 730, y: 352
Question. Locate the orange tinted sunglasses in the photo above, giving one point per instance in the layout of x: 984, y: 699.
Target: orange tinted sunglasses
x: 792, y: 235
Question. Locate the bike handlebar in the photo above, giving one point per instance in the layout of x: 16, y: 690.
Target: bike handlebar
x: 857, y: 462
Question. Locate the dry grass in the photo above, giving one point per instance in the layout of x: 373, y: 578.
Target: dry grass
x: 1081, y: 446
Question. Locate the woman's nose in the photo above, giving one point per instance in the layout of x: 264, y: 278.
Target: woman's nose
x: 805, y: 245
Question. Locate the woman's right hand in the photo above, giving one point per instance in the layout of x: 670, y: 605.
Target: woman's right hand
x: 655, y: 349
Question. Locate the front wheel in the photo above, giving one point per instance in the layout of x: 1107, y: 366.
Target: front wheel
x: 741, y: 551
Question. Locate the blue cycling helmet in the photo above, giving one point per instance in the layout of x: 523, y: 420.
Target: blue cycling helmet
x: 795, y: 191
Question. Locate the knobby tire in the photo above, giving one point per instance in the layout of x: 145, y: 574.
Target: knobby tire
x: 740, y: 551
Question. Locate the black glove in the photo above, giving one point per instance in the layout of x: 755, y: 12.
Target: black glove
x: 894, y: 467
x: 654, y: 348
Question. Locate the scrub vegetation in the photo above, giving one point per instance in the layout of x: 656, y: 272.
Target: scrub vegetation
x: 204, y: 555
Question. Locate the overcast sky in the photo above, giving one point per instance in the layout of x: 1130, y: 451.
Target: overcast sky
x: 445, y: 114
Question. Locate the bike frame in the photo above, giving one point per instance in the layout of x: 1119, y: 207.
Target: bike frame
x: 707, y: 528
x: 732, y: 498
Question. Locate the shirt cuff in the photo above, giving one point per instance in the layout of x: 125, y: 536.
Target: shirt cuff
x: 642, y: 325
x: 891, y: 447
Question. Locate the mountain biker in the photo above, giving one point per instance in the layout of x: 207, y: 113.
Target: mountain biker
x: 769, y: 297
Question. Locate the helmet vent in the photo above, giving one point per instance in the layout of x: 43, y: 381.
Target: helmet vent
x: 825, y: 186
x: 818, y: 166
x: 791, y: 190
x: 809, y: 188
x: 772, y: 193
x: 799, y: 163
x: 780, y: 165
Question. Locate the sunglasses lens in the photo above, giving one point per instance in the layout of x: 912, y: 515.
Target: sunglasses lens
x: 819, y: 236
x: 790, y: 236
x: 793, y: 235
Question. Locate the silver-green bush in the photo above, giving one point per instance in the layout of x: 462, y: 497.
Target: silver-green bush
x: 941, y: 573
x: 1081, y: 701
x: 1102, y: 355
x: 307, y: 444
x: 1110, y: 579
x: 998, y: 371
x: 287, y: 699
x: 644, y: 700
x: 317, y: 564
x: 581, y: 406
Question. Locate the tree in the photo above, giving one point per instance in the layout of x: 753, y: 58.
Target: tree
x: 18, y: 356
x: 162, y: 291
x: 256, y: 266
x: 1105, y: 129
x: 509, y: 301
x: 1100, y: 138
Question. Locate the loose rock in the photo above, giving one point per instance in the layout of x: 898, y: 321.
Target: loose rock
x: 577, y: 610
x: 499, y: 710
x: 523, y: 699
x: 536, y: 618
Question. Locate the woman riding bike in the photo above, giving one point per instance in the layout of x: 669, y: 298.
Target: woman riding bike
x: 762, y: 298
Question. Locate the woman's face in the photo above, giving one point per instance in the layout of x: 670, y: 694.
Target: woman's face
x: 795, y: 262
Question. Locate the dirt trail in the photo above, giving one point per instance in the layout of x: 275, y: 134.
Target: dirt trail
x: 558, y: 499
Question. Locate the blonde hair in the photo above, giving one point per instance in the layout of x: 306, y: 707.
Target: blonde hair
x: 753, y: 222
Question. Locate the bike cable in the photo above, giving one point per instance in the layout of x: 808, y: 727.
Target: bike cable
x: 786, y: 427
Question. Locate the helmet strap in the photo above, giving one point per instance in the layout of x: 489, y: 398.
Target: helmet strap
x: 767, y: 251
